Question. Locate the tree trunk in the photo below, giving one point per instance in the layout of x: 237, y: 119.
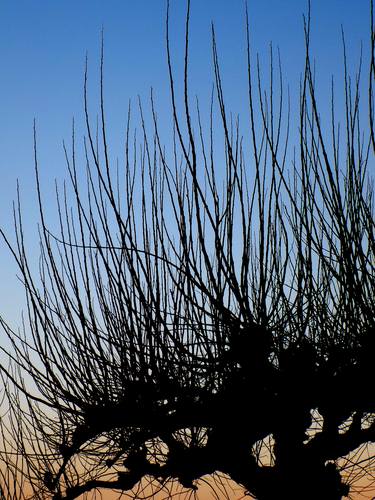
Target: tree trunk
x: 305, y: 481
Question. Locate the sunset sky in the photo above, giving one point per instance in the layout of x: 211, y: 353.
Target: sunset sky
x: 43, y: 46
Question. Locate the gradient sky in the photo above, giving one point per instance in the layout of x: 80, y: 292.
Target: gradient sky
x: 43, y: 44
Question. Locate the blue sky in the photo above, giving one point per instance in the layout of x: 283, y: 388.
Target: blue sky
x: 43, y: 44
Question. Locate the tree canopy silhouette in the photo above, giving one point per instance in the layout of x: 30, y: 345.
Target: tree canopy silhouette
x: 205, y: 309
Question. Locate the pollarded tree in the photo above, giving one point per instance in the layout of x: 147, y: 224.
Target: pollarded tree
x: 186, y: 316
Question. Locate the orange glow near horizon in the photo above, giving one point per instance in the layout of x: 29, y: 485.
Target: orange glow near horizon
x: 209, y: 488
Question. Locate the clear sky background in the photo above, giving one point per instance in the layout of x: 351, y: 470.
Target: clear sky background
x: 43, y: 45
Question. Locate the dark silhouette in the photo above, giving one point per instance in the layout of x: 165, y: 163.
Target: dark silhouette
x: 201, y: 306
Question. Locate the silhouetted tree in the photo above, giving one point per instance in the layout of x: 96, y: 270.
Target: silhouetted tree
x: 202, y: 311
